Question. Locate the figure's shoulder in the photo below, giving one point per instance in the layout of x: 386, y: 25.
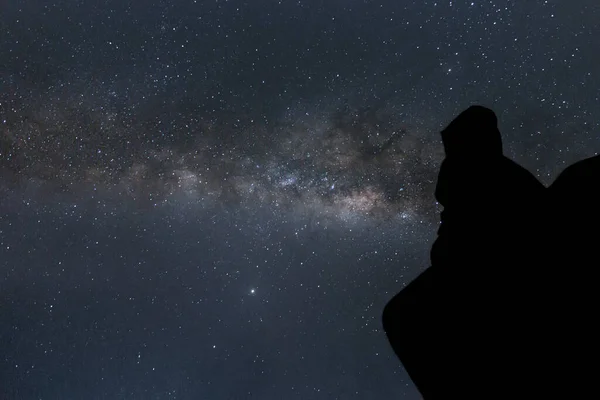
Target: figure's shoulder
x: 519, y: 175
x: 514, y: 167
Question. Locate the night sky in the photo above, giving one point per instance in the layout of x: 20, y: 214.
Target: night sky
x: 215, y: 199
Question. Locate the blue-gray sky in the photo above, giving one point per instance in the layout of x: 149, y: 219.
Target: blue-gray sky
x: 215, y: 199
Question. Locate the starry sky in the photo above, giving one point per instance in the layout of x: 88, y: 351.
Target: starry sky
x: 215, y: 199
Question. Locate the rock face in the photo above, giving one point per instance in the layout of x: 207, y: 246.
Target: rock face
x: 505, y: 309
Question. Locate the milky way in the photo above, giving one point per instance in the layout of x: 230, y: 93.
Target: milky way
x: 338, y: 162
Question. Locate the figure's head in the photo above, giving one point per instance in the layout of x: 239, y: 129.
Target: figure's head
x: 474, y: 133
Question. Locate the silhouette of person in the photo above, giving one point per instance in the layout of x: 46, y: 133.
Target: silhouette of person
x: 466, y: 327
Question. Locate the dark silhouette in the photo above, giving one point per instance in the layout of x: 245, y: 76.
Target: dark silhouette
x: 469, y: 326
x: 573, y: 249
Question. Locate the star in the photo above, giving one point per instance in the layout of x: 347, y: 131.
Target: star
x: 174, y: 173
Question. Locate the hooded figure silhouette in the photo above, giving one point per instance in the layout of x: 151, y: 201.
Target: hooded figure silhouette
x: 461, y: 326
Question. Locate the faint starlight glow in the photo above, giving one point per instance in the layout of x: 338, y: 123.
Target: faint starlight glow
x: 364, y: 201
x: 288, y: 181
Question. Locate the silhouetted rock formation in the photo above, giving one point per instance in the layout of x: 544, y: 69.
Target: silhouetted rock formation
x: 468, y: 326
x: 573, y: 253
